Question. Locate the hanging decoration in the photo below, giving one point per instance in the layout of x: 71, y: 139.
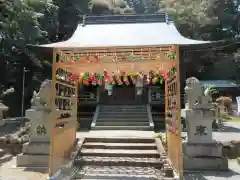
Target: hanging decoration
x: 93, y: 58
x: 132, y: 57
x: 120, y: 77
x: 139, y: 84
x: 94, y: 79
x: 117, y: 78
x: 171, y: 74
x: 128, y: 55
x: 109, y: 89
x: 125, y: 80
x: 172, y: 53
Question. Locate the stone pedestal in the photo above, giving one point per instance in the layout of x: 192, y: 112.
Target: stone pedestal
x: 204, y: 156
x: 201, y: 152
x: 199, y: 122
x: 2, y: 109
x: 36, y: 151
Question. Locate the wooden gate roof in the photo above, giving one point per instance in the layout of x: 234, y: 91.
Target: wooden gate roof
x: 125, y: 31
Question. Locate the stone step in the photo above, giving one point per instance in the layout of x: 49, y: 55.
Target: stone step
x: 101, y: 145
x: 120, y: 153
x: 123, y: 106
x: 118, y: 172
x: 125, y: 111
x: 124, y: 115
x: 117, y: 119
x: 125, y: 123
x: 118, y: 161
x: 119, y: 140
x: 142, y: 128
x: 122, y: 110
x: 5, y: 158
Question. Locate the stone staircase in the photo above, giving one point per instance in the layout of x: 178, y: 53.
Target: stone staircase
x: 121, y: 158
x: 4, y: 156
x: 122, y: 117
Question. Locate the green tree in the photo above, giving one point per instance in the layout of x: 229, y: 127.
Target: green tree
x: 21, y: 25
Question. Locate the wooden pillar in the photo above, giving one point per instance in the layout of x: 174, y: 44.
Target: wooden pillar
x: 178, y: 93
x: 174, y: 127
x: 53, y: 96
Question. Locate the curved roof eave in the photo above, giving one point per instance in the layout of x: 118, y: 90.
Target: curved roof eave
x: 125, y: 35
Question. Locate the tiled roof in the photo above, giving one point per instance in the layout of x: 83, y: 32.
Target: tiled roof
x: 220, y: 83
x: 133, y: 18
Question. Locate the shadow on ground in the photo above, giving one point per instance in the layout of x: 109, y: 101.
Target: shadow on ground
x: 39, y: 170
x: 210, y: 175
x: 229, y: 128
x: 5, y: 160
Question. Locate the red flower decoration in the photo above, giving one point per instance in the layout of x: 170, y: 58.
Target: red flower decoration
x: 91, y: 78
x: 166, y: 75
x: 86, y: 83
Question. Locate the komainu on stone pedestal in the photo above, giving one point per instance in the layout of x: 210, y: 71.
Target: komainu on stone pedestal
x: 36, y: 151
x: 200, y: 151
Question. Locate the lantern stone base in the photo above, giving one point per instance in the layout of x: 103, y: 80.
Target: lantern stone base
x: 204, y: 156
x: 35, y: 154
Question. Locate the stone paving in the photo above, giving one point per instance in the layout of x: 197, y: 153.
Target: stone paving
x: 232, y: 174
x: 8, y: 171
x: 119, y: 172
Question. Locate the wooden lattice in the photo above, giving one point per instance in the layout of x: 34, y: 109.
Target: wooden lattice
x: 143, y: 59
x: 173, y: 120
x: 124, y: 59
x: 64, y: 120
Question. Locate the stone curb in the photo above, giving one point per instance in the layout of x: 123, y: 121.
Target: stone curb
x: 67, y: 171
x: 168, y: 169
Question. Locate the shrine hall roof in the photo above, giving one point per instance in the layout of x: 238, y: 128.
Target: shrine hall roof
x: 125, y: 30
x: 220, y: 83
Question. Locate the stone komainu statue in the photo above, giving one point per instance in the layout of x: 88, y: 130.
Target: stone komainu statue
x: 42, y: 99
x: 193, y: 91
x: 196, y: 95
